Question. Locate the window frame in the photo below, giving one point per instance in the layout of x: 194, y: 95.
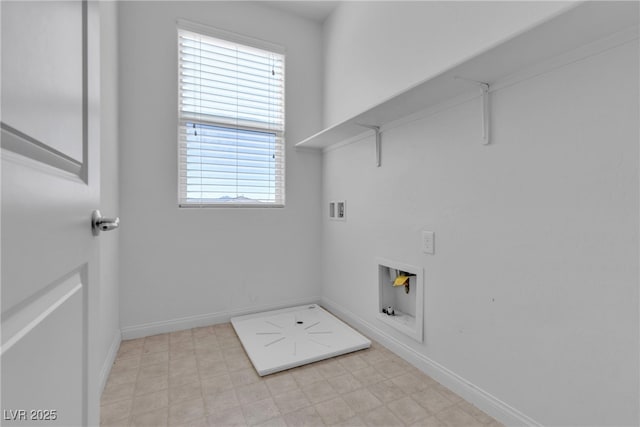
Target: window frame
x: 249, y: 42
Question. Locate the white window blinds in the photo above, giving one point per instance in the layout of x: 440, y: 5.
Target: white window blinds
x: 230, y: 124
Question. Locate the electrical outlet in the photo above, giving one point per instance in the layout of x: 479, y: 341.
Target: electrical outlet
x: 428, y: 242
x: 341, y: 210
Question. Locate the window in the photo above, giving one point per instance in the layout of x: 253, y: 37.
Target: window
x: 230, y: 121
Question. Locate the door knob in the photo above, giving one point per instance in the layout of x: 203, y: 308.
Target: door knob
x: 100, y: 223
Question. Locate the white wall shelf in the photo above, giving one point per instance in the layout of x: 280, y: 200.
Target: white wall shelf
x: 579, y: 25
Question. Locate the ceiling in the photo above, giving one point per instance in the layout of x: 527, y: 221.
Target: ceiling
x: 313, y: 10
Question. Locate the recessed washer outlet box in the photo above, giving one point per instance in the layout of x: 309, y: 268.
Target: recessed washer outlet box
x: 407, y: 307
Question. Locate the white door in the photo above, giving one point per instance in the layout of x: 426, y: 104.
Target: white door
x: 50, y: 173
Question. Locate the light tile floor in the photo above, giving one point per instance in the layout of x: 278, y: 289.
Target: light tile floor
x: 202, y: 377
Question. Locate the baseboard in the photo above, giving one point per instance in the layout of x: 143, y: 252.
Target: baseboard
x: 108, y: 361
x: 470, y: 392
x: 172, y: 325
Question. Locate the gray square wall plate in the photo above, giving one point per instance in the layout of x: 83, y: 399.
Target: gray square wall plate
x: 283, y: 339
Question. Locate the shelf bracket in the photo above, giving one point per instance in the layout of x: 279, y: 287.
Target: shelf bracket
x: 486, y: 109
x: 485, y: 113
x: 376, y: 129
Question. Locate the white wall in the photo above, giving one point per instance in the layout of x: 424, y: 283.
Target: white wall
x: 184, y: 263
x: 375, y: 49
x: 109, y: 203
x: 532, y: 294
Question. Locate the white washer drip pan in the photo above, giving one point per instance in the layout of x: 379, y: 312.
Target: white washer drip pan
x: 283, y: 339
